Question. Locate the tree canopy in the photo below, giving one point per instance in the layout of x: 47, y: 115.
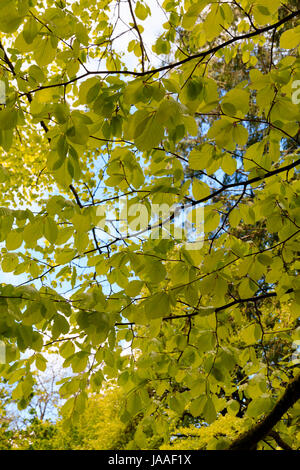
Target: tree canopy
x: 150, y: 209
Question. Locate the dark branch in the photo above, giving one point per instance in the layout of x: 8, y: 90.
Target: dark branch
x: 173, y: 65
x: 279, y: 441
x: 250, y: 439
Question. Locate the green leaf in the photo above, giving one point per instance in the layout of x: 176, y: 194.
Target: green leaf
x: 251, y: 334
x: 10, y: 19
x: 45, y: 51
x: 200, y: 190
x: 290, y: 38
x: 30, y: 30
x: 209, y: 411
x: 199, y: 159
x: 236, y: 100
x: 65, y: 255
x: 9, y: 262
x: 40, y: 362
x: 240, y: 134
x: 141, y: 11
x: 157, y: 306
x: 14, y: 240
x: 176, y: 404
x: 8, y: 118
x: 60, y: 326
x: 197, y: 406
x: 50, y: 229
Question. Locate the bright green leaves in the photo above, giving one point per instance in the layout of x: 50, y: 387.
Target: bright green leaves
x: 10, y: 16
x: 60, y: 326
x: 23, y: 391
x: 209, y: 411
x: 78, y: 134
x: 200, y: 159
x: 260, y: 406
x: 157, y: 306
x: 200, y: 94
x: 236, y: 103
x: 158, y: 137
x: 81, y: 241
x: 124, y: 167
x: 211, y: 219
x: 175, y: 403
x: 192, y: 14
x: 147, y: 130
x: 65, y: 255
x: 40, y: 362
x: 8, y: 119
x: 253, y: 157
x: 247, y: 288
x: 8, y: 122
x: 4, y: 174
x: 133, y: 288
x: 82, y: 33
x: 200, y: 190
x: 206, y: 341
x: 285, y: 110
x: 227, y: 133
x: 63, y: 161
x: 251, y: 334
x: 152, y: 270
x: 46, y: 52
x: 142, y: 11
x: 89, y: 90
x: 134, y: 403
x: 50, y: 230
x: 30, y: 30
x: 81, y: 221
x: 9, y: 262
x: 13, y: 240
x: 61, y: 112
x: 196, y: 407
x: 273, y: 97
x: 290, y: 38
x: 194, y: 89
x: 219, y: 15
x: 228, y: 164
x: 139, y: 91
x: 161, y: 46
x: 266, y: 11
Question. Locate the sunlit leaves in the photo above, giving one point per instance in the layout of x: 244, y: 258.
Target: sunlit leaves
x: 290, y: 39
x: 11, y: 18
x: 50, y: 230
x: 200, y: 190
x: 234, y: 101
x: 227, y: 133
x: 8, y: 118
x: 199, y: 158
x: 157, y: 306
x: 142, y: 11
x: 212, y: 127
x: 14, y: 240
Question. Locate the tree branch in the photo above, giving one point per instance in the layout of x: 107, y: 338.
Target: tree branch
x: 275, y: 435
x: 173, y: 65
x: 250, y: 439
